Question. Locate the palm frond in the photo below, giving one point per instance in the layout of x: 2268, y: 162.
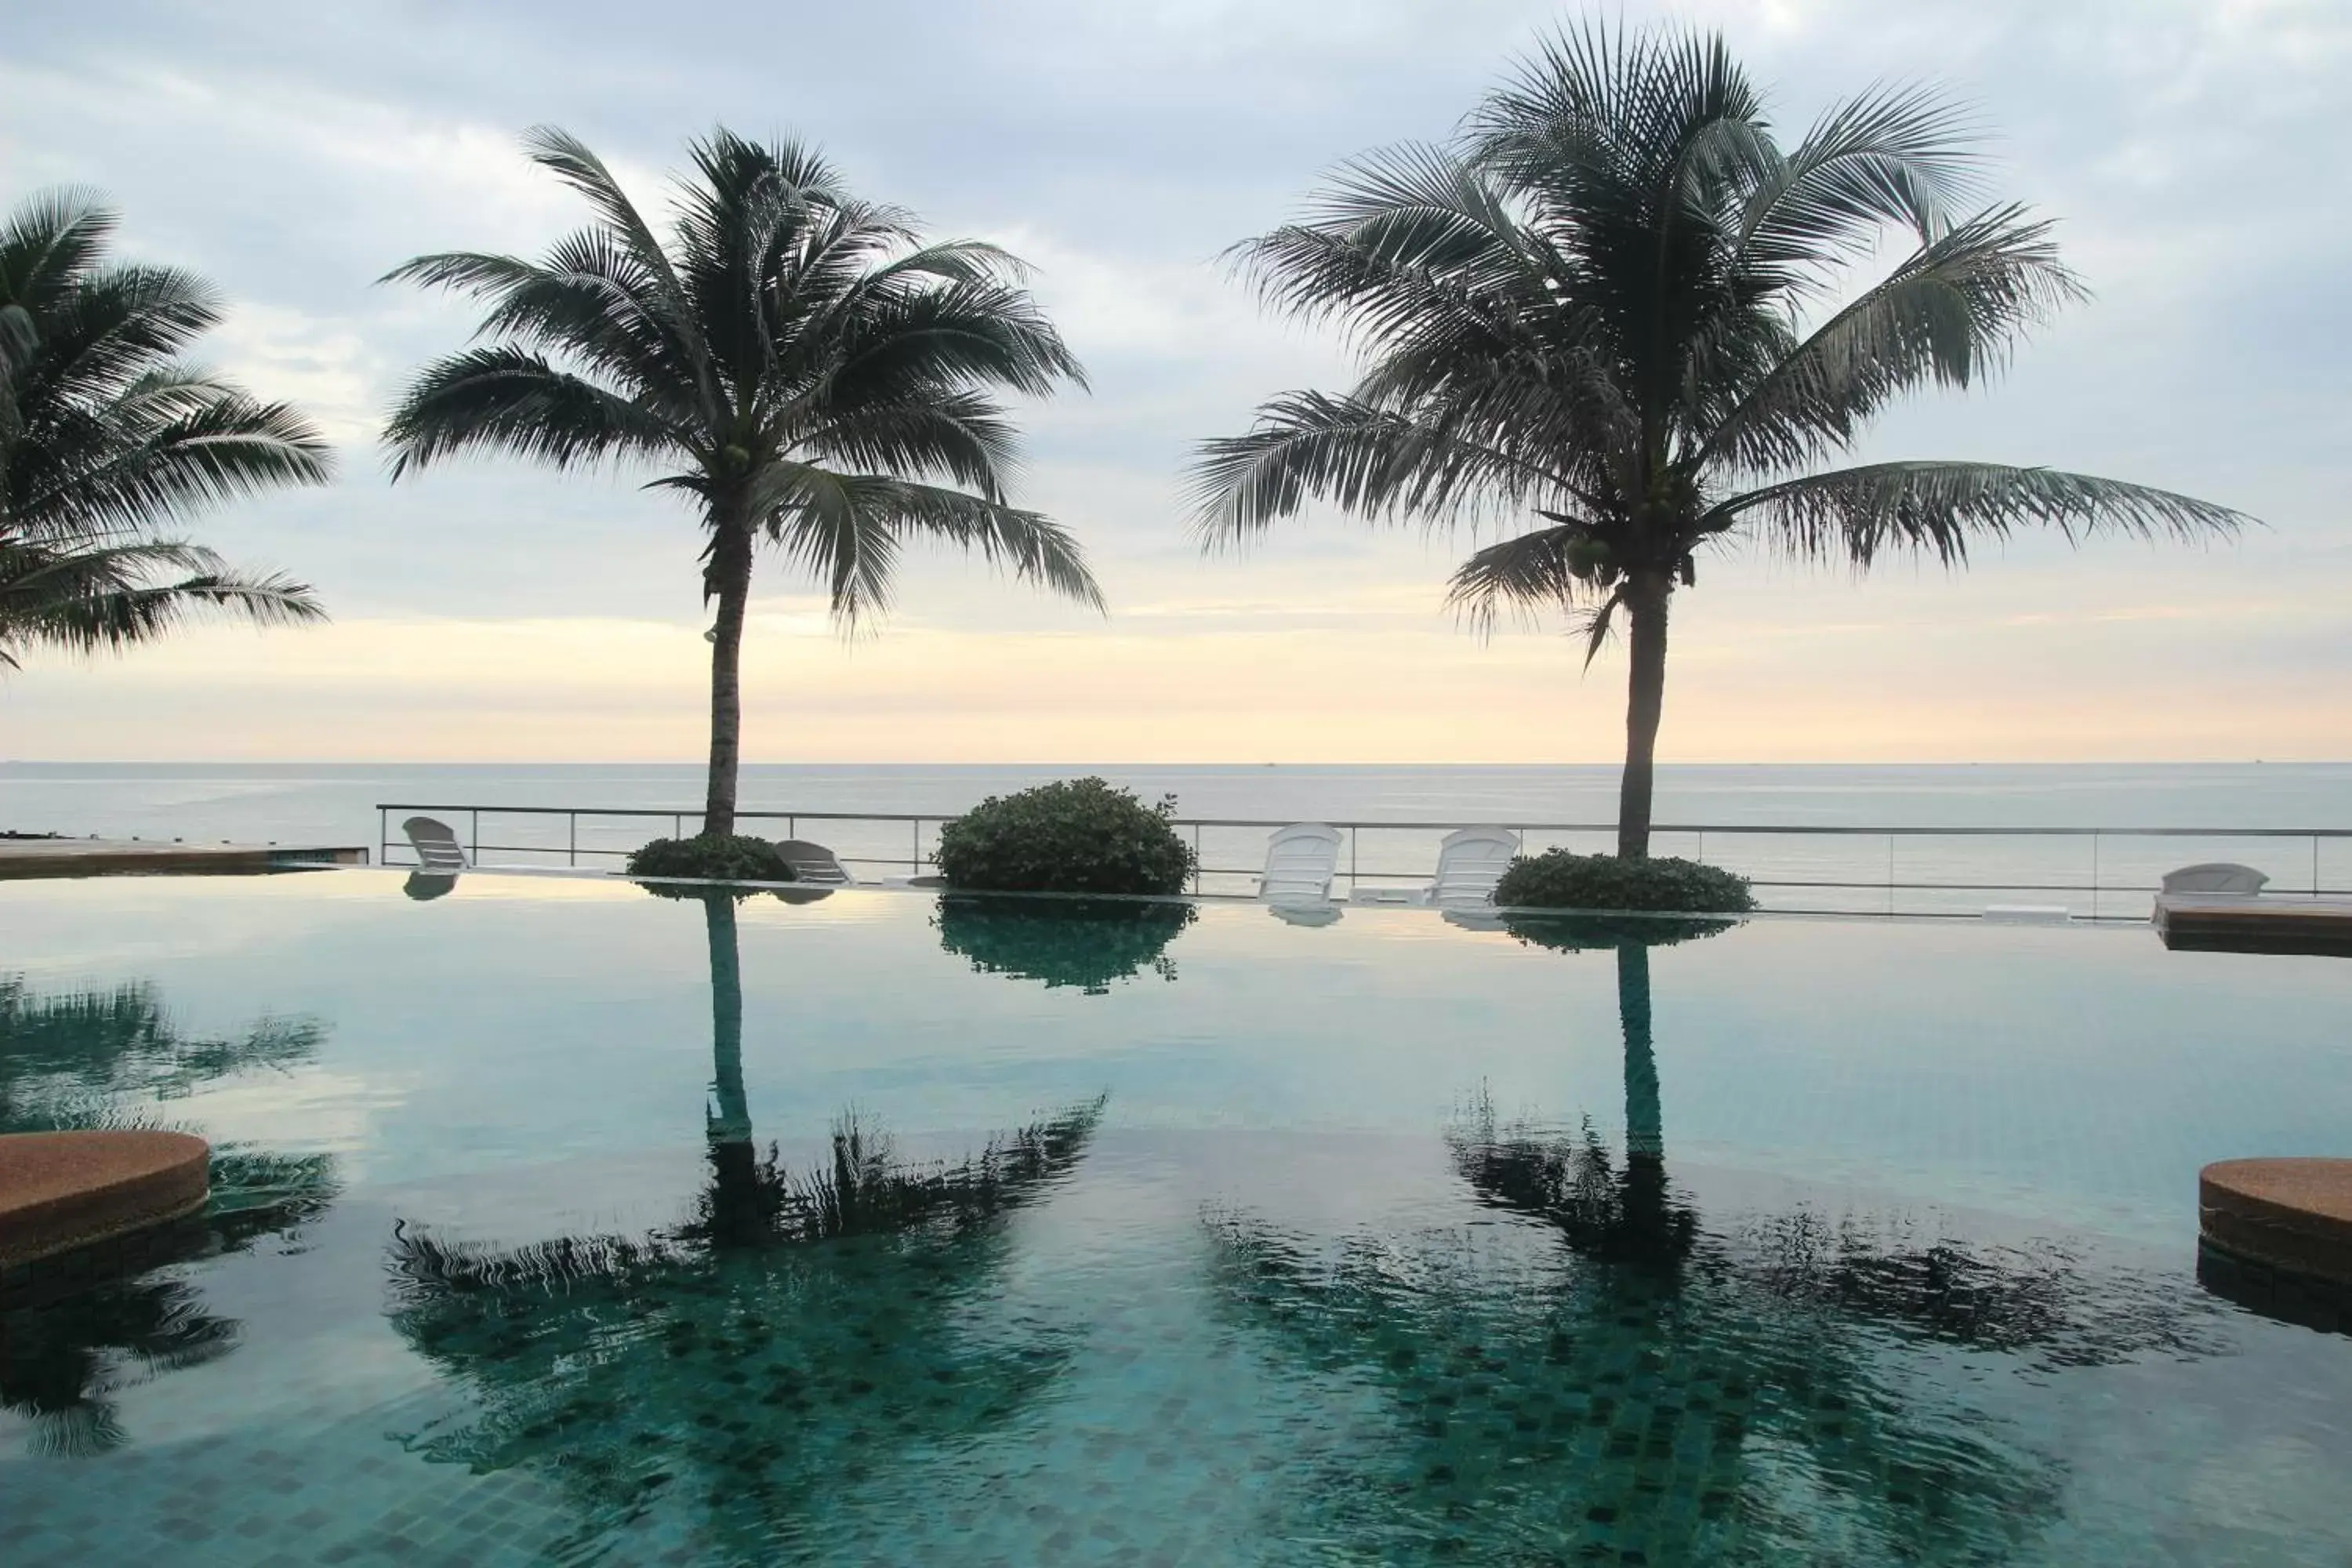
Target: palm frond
x: 1403, y: 237
x: 48, y: 244
x: 174, y: 443
x: 1896, y: 154
x: 103, y: 597
x: 958, y: 435
x: 117, y: 326
x: 1948, y: 315
x: 106, y: 437
x: 1529, y: 572
x: 1534, y: 572
x: 510, y: 400
x: 961, y: 334
x: 848, y: 531
x: 1375, y: 462
x: 1939, y: 509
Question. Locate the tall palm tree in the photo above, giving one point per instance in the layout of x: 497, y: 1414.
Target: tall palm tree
x: 1610, y: 304
x: 109, y: 441
x: 796, y: 361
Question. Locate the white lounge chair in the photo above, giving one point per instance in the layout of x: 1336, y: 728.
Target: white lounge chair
x: 812, y: 863
x: 2213, y: 878
x: 1469, y: 863
x: 1300, y: 861
x: 436, y: 846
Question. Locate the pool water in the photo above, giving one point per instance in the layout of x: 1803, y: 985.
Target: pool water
x: 554, y: 1222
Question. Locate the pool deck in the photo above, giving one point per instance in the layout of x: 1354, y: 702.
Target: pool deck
x: 2264, y: 923
x: 60, y: 1191
x: 22, y: 858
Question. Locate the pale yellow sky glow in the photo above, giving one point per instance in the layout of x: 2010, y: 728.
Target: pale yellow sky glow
x: 2062, y: 661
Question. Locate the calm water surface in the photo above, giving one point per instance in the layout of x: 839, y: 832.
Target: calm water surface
x: 557, y: 1222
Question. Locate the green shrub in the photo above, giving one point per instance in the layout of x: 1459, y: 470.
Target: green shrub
x: 1560, y: 881
x: 1085, y: 943
x: 1081, y: 836
x: 713, y: 856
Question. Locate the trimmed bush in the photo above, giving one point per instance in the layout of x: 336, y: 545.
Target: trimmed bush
x: 1080, y: 836
x: 714, y: 856
x: 1560, y: 881
x: 1089, y: 944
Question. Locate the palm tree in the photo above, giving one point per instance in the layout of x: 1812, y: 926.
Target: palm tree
x: 796, y: 361
x: 1610, y: 304
x: 108, y: 439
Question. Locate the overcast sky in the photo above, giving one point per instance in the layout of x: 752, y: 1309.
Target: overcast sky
x: 2195, y: 149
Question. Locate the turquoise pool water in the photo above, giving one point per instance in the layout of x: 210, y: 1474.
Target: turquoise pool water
x: 558, y: 1222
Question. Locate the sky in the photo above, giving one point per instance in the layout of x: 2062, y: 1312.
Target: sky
x: 2194, y: 151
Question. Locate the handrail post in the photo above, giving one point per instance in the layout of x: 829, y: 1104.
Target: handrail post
x: 2094, y: 873
x: 1355, y: 836
x: 478, y: 835
x: 572, y: 853
x: 384, y: 838
x: 2315, y: 864
x: 915, y: 861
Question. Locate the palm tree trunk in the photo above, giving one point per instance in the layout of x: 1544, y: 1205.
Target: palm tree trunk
x: 727, y: 579
x: 1646, y: 598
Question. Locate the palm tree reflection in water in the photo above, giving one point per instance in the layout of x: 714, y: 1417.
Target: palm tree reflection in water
x: 1609, y: 1375
x: 756, y: 1362
x: 75, y: 1332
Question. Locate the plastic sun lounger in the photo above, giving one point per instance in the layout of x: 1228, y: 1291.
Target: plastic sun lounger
x: 1469, y: 863
x: 813, y: 863
x: 437, y: 849
x: 1300, y: 861
x: 2216, y: 878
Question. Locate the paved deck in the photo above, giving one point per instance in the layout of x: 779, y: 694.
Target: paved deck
x: 59, y: 1191
x: 2291, y: 1214
x: 2268, y: 923
x: 114, y: 856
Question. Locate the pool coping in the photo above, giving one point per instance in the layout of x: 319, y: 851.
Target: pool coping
x: 1465, y: 919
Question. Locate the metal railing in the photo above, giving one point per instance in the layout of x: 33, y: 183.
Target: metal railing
x: 1798, y: 867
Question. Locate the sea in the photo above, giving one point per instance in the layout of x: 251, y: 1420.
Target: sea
x: 337, y: 802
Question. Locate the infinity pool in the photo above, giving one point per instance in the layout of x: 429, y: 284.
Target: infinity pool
x: 554, y: 1222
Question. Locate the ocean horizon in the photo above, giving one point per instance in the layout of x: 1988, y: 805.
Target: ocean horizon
x: 287, y: 800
